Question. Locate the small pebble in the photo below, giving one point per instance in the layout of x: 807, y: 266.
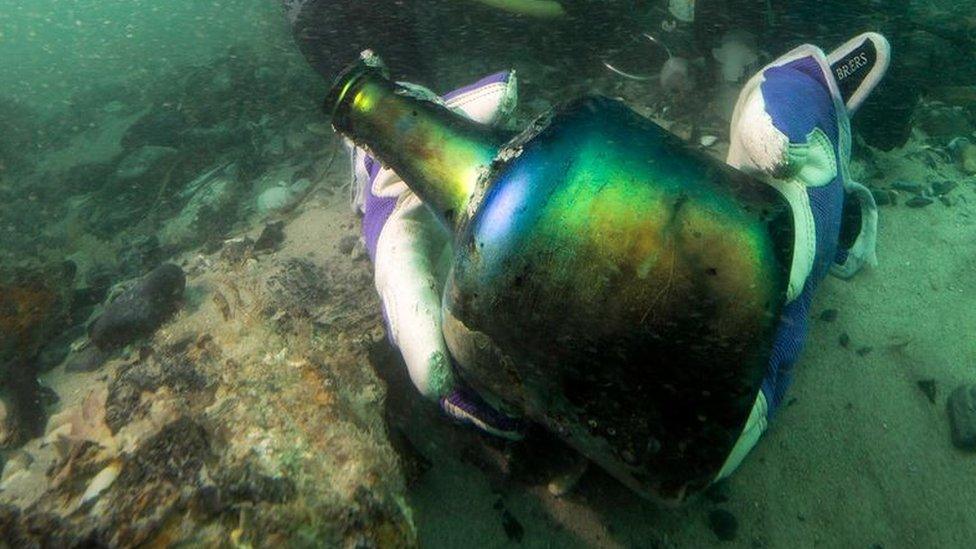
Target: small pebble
x: 708, y: 140
x: 883, y: 197
x: 961, y: 407
x: 844, y: 340
x: 724, y: 524
x: 919, y: 201
x: 236, y: 250
x: 907, y: 186
x: 828, y: 315
x: 271, y: 237
x: 927, y: 386
x: 940, y: 188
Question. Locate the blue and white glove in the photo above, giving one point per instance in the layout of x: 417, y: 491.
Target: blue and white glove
x: 791, y: 128
x: 411, y: 253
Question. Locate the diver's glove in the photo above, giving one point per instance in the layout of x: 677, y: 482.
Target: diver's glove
x: 411, y: 254
x: 791, y: 128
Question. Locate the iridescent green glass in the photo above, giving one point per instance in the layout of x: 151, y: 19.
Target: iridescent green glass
x: 608, y: 281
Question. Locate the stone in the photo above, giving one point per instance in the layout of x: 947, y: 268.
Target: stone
x: 271, y: 237
x: 928, y: 388
x: 723, y: 524
x: 883, y: 197
x: 961, y: 408
x: 204, y: 428
x: 173, y: 366
x: 101, y: 482
x: 274, y: 199
x: 282, y: 198
x: 967, y: 159
x: 708, y: 140
x: 236, y: 250
x: 138, y: 311
x: 296, y: 289
x: 919, y: 201
x: 943, y: 187
x: 907, y: 186
x: 17, y: 462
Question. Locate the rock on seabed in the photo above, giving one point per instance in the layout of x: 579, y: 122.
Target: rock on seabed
x: 228, y: 427
x: 961, y: 407
x: 140, y: 309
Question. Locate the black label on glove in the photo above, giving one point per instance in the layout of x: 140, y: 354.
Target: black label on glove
x: 851, y: 70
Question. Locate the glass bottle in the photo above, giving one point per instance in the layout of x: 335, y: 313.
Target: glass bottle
x: 609, y: 282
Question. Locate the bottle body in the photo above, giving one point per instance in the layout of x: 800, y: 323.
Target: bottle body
x: 620, y: 289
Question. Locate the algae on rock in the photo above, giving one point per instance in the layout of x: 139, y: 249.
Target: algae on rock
x: 229, y: 427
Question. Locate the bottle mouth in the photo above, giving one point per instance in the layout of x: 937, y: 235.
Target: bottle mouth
x: 368, y: 64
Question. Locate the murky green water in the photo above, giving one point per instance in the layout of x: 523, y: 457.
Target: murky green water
x: 202, y: 343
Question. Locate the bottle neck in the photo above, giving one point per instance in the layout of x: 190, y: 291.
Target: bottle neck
x: 440, y: 155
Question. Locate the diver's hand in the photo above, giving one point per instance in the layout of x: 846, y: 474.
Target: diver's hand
x: 411, y: 255
x: 788, y: 130
x: 786, y: 123
x: 791, y: 126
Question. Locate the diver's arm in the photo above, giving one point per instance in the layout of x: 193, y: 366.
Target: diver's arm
x: 791, y: 128
x: 411, y: 254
